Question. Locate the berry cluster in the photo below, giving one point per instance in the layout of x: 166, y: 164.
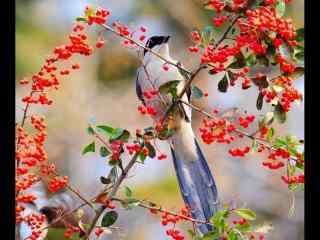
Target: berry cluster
x: 56, y: 183
x: 25, y: 181
x: 116, y: 149
x: 147, y: 110
x: 98, y: 231
x: 133, y: 148
x: 293, y: 179
x: 149, y: 94
x: 47, y: 169
x: 35, y: 222
x: 26, y: 198
x: 245, y: 122
x: 162, y: 156
x: 168, y: 218
x: 70, y: 231
x: 217, y: 130
x: 272, y: 162
x: 99, y: 17
x: 219, y: 20
x: 217, y: 5
x: 237, y: 152
x: 242, y: 221
x: 175, y: 234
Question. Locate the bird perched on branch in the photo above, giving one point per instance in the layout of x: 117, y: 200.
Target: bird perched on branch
x: 196, y: 182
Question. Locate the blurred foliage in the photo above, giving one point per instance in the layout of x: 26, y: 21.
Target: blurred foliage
x: 116, y: 67
x: 165, y: 191
x: 32, y: 43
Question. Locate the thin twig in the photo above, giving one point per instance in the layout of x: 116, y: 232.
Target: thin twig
x: 153, y: 206
x: 108, y: 28
x: 113, y: 192
x: 259, y: 140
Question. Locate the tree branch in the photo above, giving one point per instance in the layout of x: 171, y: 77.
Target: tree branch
x: 153, y: 206
x: 113, y: 192
x: 250, y: 136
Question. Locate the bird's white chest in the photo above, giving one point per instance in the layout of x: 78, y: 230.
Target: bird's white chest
x: 153, y: 75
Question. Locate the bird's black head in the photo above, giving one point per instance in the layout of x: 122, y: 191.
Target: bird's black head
x: 156, y: 40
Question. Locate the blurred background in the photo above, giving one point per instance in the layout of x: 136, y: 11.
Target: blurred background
x: 104, y: 89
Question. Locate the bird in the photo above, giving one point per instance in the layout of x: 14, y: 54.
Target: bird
x: 196, y: 182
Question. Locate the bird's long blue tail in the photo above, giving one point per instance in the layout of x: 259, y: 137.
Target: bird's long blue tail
x: 197, y: 185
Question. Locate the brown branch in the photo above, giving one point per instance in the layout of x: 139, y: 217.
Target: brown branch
x: 186, y: 86
x: 113, y: 192
x: 153, y: 206
x: 195, y: 73
x: 88, y: 202
x: 224, y: 35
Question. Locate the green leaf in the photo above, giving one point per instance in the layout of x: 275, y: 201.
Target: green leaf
x: 270, y: 134
x: 113, y: 162
x: 197, y: 92
x: 251, y: 60
x: 169, y: 87
x: 280, y: 8
x: 130, y: 203
x: 128, y: 192
x: 223, y: 84
x: 246, y: 213
x: 298, y: 72
x: 259, y: 103
x: 279, y: 114
x: 109, y: 218
x: 300, y: 35
x: 218, y: 220
x: 298, y: 55
x: 279, y: 143
x: 152, y: 151
x: 90, y: 130
x: 104, y: 151
x: 120, y: 134
x: 232, y: 235
x: 142, y: 157
x: 166, y: 133
x: 107, y: 130
x: 133, y: 203
x: 239, y: 62
x: 255, y: 146
x: 116, y: 134
x: 113, y: 175
x: 81, y: 19
x: 89, y: 148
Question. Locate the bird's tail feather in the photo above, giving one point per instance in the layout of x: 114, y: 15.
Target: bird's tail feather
x: 196, y: 183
